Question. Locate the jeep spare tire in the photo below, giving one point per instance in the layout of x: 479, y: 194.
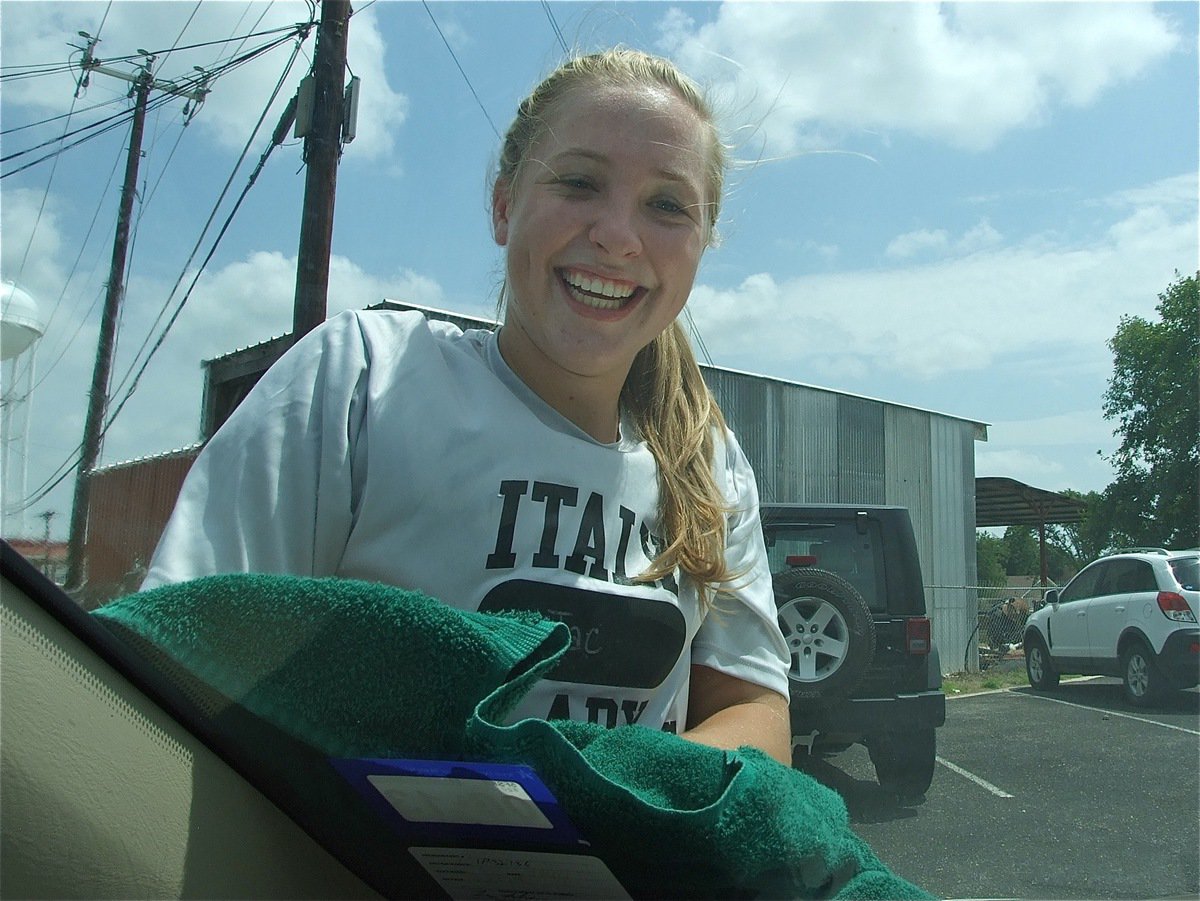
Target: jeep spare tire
x: 829, y: 631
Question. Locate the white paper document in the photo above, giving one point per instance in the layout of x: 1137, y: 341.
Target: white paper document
x: 469, y: 873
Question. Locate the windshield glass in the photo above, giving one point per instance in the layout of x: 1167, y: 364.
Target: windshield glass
x: 909, y: 300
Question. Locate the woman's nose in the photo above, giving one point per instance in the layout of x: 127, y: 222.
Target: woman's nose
x: 616, y: 230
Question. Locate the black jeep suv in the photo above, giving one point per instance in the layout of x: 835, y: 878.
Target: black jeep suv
x: 852, y: 608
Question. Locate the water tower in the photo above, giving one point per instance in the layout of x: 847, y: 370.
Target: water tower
x: 20, y: 329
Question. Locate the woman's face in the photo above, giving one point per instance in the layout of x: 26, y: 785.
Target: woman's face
x: 604, y: 228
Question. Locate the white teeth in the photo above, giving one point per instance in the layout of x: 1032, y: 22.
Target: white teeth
x: 596, y: 286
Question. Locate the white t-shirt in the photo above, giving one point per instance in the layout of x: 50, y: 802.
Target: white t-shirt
x: 393, y: 449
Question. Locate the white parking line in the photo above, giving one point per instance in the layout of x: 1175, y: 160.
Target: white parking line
x: 1127, y: 716
x: 983, y: 783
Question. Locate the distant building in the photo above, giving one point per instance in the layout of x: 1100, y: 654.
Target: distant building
x: 48, y: 556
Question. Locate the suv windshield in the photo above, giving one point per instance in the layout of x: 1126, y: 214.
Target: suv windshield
x: 838, y: 547
x: 1187, y: 572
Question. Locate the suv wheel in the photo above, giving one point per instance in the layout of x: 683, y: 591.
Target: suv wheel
x: 1140, y: 676
x: 829, y: 631
x: 904, y: 762
x: 1038, y: 666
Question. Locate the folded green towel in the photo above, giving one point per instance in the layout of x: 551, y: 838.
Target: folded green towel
x: 365, y: 670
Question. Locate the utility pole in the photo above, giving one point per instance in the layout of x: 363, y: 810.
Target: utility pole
x: 322, y: 148
x: 46, y: 516
x: 93, y: 431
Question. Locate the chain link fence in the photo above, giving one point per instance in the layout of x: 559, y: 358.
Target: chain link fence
x: 1003, y: 612
x: 997, y: 631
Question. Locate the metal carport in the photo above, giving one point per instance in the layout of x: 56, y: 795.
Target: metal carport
x: 1006, y: 502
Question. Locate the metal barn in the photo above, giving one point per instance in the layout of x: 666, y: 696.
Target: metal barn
x: 815, y: 445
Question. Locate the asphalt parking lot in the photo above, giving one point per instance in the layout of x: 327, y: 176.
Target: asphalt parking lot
x: 1065, y: 794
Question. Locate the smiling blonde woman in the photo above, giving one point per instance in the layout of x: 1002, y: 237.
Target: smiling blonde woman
x: 573, y: 463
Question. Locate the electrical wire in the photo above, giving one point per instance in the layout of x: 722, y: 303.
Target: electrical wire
x: 694, y: 329
x: 124, y: 115
x: 79, y: 320
x: 66, y: 115
x: 64, y: 469
x: 495, y: 130
x: 554, y: 25
x: 195, y: 249
x: 181, y: 86
x: 20, y: 73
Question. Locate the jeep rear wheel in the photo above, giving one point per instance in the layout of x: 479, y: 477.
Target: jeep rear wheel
x: 904, y: 762
x: 829, y: 631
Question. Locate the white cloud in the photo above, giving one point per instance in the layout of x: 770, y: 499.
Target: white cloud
x: 978, y: 237
x: 990, y: 303
x: 1176, y: 193
x: 236, y: 306
x: 935, y: 242
x: 916, y: 242
x: 242, y: 304
x: 1030, y: 468
x: 1073, y: 427
x: 964, y: 74
x: 47, y: 30
x: 1065, y: 450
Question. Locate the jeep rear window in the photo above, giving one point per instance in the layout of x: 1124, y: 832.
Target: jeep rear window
x: 834, y: 546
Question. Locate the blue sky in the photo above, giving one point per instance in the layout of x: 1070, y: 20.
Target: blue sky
x: 947, y: 206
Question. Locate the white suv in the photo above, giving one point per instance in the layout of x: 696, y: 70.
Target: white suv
x: 1131, y: 614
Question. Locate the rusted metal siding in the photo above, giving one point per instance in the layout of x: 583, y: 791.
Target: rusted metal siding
x: 130, y: 505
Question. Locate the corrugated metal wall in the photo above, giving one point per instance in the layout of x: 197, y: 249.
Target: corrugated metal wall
x: 812, y: 445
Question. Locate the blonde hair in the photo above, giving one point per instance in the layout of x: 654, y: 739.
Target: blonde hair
x: 664, y: 393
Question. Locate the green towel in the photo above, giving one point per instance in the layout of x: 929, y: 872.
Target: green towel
x: 364, y: 670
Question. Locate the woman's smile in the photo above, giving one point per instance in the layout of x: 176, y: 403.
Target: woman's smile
x: 598, y: 292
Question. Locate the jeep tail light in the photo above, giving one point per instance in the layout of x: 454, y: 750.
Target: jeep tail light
x: 801, y: 560
x: 1175, y: 607
x: 917, y: 635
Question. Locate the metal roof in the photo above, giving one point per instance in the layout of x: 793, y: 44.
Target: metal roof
x: 1007, y: 502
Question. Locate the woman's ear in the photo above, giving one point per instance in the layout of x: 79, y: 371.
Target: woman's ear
x: 500, y: 200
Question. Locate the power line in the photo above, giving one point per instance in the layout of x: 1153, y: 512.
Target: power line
x: 188, y: 83
x: 554, y: 25
x: 495, y: 130
x: 279, y: 134
x: 66, y: 115
x: 64, y: 469
x: 694, y: 329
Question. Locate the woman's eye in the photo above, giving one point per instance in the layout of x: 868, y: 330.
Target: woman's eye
x: 667, y: 205
x: 578, y: 182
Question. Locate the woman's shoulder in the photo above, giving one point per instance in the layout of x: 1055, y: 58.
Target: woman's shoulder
x: 727, y: 451
x: 393, y: 324
x: 388, y: 333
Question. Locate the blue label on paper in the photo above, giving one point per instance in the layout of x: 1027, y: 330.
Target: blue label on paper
x: 443, y: 800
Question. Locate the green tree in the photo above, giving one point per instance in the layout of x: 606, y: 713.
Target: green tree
x: 1021, y: 554
x: 989, y: 560
x: 1154, y: 397
x: 1084, y: 541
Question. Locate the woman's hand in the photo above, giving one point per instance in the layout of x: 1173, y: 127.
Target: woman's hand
x: 726, y: 712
